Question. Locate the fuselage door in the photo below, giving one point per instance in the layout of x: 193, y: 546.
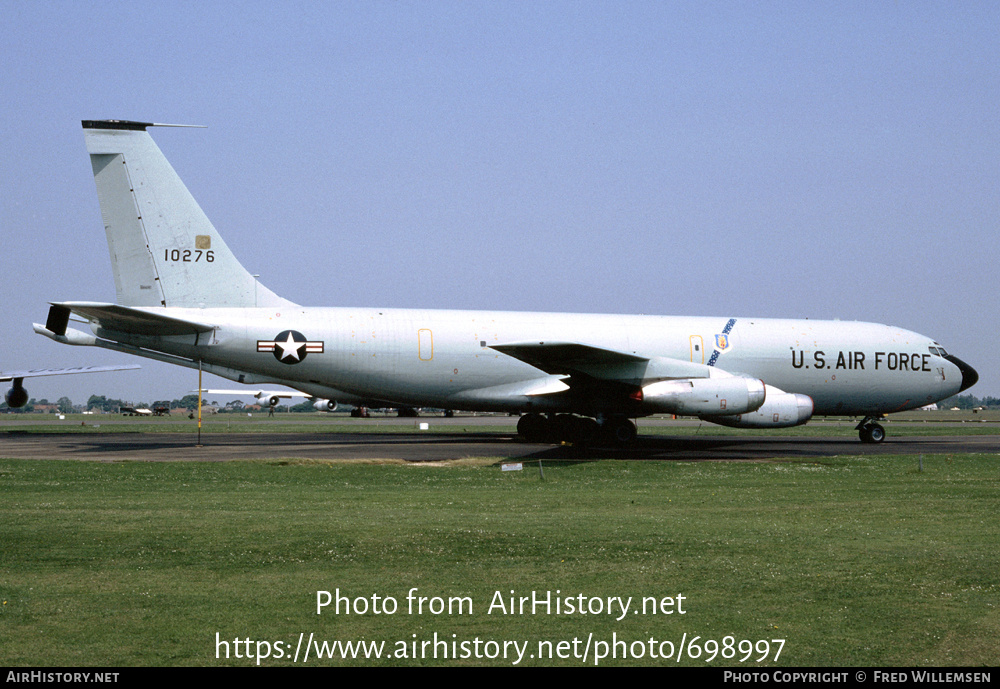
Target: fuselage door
x: 425, y: 344
x: 697, y: 349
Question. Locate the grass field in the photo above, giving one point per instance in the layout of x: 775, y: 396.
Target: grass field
x: 851, y: 561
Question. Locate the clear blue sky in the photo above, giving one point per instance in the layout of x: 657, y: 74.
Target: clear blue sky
x: 821, y: 160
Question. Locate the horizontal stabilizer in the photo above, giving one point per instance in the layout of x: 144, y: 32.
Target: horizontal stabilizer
x: 125, y: 319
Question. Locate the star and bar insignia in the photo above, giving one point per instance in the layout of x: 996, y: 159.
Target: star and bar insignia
x: 290, y: 346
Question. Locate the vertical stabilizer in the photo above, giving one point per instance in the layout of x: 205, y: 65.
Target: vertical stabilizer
x: 164, y: 251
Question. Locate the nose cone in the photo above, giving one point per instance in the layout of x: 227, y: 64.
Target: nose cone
x: 969, y: 375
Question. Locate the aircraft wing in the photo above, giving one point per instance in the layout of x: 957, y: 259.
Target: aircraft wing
x: 610, y: 379
x: 564, y: 357
x: 580, y: 364
x: 124, y: 319
x: 11, y: 375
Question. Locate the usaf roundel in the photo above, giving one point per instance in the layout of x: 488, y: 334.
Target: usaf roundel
x: 290, y: 346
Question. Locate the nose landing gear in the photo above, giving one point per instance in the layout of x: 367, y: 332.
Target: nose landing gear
x: 870, y: 431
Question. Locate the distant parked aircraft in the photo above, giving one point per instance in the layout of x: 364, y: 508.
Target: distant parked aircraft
x: 17, y: 396
x: 273, y: 397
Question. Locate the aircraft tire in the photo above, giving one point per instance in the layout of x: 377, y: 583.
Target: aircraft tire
x: 534, y: 428
x: 585, y: 430
x: 578, y: 430
x: 620, y: 431
x: 876, y: 433
x: 872, y: 433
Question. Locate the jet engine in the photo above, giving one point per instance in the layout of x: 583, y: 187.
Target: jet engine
x: 273, y: 400
x: 780, y: 410
x: 17, y: 396
x: 704, y: 396
x: 325, y: 405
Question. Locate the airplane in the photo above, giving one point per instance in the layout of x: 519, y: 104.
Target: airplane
x: 273, y: 397
x: 184, y: 298
x: 17, y: 396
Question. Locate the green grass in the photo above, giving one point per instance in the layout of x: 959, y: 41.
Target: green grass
x: 852, y: 561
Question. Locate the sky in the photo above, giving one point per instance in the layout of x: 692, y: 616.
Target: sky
x: 795, y: 160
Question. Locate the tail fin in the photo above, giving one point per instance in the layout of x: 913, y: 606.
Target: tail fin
x: 164, y: 250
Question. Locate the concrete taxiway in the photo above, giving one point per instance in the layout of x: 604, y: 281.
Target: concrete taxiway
x: 431, y: 446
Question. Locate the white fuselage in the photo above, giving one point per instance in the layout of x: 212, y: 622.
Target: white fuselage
x: 443, y: 358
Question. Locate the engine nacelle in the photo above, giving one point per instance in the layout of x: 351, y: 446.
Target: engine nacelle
x: 273, y: 400
x: 705, y: 396
x: 325, y: 405
x: 16, y: 397
x: 780, y: 410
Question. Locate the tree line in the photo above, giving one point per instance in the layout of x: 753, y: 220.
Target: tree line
x: 190, y: 402
x: 111, y: 405
x: 969, y: 402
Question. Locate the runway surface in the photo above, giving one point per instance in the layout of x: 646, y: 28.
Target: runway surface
x: 430, y: 446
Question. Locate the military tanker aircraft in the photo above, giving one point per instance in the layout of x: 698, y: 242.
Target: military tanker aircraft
x: 184, y: 298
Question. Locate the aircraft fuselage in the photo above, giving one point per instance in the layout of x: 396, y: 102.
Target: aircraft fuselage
x: 444, y: 358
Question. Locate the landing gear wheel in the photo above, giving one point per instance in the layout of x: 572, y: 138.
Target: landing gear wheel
x: 533, y: 428
x: 583, y: 430
x: 872, y: 433
x: 620, y: 431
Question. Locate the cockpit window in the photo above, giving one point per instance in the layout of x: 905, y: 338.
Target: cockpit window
x: 938, y: 350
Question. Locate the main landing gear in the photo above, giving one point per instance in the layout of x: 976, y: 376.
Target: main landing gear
x: 616, y: 430
x: 870, y: 431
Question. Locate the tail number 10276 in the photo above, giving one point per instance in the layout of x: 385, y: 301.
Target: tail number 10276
x: 188, y: 256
